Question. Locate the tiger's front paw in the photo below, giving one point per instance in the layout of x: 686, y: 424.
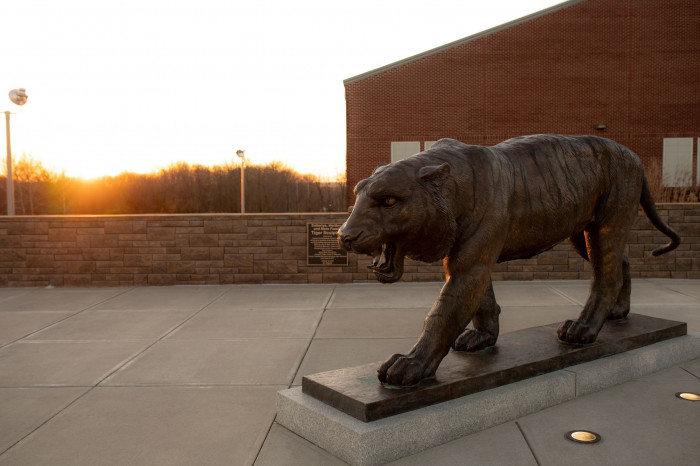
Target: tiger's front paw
x: 575, y: 332
x: 403, y: 371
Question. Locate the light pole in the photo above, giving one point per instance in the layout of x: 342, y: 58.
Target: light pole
x: 19, y: 97
x: 241, y: 154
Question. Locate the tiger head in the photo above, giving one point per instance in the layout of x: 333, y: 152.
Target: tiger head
x: 400, y: 212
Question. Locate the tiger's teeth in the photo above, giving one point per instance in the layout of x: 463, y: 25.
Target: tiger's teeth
x: 379, y: 261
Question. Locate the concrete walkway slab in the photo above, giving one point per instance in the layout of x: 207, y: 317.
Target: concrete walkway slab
x: 641, y: 422
x: 164, y: 298
x: 397, y: 295
x: 652, y: 294
x: 283, y: 447
x: 12, y: 293
x: 17, y: 324
x: 514, y: 318
x: 22, y: 409
x: 188, y: 392
x: 214, y: 362
x: 538, y: 294
x: 573, y: 290
x: 212, y: 324
x: 386, y: 323
x: 70, y: 363
x: 58, y: 299
x: 274, y: 297
x: 687, y: 287
x: 107, y: 325
x: 503, y: 444
x: 693, y: 368
x: 153, y: 426
x: 648, y: 293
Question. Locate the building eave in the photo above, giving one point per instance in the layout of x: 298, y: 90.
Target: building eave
x: 462, y: 41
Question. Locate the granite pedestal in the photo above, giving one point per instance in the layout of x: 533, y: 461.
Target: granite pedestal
x: 528, y: 371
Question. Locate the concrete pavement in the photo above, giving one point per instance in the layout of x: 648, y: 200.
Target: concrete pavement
x: 188, y: 374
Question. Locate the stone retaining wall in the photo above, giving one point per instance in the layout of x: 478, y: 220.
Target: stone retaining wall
x: 266, y: 248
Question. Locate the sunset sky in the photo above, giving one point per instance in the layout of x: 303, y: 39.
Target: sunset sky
x: 135, y: 85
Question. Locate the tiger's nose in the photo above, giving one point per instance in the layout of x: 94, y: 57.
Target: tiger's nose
x: 345, y: 239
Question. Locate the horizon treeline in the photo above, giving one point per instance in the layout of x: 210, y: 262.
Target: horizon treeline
x: 179, y: 188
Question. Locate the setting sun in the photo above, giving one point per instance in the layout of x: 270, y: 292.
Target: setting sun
x: 136, y: 86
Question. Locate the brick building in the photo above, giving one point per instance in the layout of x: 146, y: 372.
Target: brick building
x: 628, y: 70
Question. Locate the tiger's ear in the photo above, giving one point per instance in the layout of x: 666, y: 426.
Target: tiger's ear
x: 434, y: 173
x: 379, y: 168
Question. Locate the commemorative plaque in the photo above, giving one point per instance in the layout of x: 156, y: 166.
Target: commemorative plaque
x: 322, y: 245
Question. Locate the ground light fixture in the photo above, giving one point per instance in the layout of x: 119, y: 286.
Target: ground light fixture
x: 688, y: 396
x: 583, y: 436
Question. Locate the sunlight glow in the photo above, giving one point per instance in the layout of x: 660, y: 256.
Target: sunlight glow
x: 137, y: 85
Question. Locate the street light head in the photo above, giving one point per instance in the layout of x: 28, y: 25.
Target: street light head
x: 240, y: 153
x: 19, y: 96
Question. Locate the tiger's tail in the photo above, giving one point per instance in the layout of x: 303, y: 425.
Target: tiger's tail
x: 649, y: 208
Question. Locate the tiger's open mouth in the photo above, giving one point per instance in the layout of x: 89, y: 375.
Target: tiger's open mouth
x: 387, y: 264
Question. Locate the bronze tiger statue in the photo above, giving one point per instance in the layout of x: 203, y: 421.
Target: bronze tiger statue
x: 474, y: 206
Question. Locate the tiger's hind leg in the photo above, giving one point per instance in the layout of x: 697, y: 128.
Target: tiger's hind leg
x: 605, y: 243
x: 622, y: 304
x: 485, y: 323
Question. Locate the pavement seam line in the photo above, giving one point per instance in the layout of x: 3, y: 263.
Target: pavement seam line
x: 527, y: 442
x: 127, y: 361
x: 564, y: 295
x: 89, y: 389
x: 65, y: 318
x: 301, y: 361
x: 161, y: 338
x: 686, y: 370
x: 267, y: 434
x: 670, y: 289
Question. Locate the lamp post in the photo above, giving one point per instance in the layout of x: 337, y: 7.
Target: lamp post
x: 19, y: 97
x: 241, y: 154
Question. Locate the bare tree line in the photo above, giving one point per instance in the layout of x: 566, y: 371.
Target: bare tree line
x: 180, y: 188
x: 185, y: 188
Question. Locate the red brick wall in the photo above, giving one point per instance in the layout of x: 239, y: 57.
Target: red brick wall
x: 265, y: 248
x: 631, y: 64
